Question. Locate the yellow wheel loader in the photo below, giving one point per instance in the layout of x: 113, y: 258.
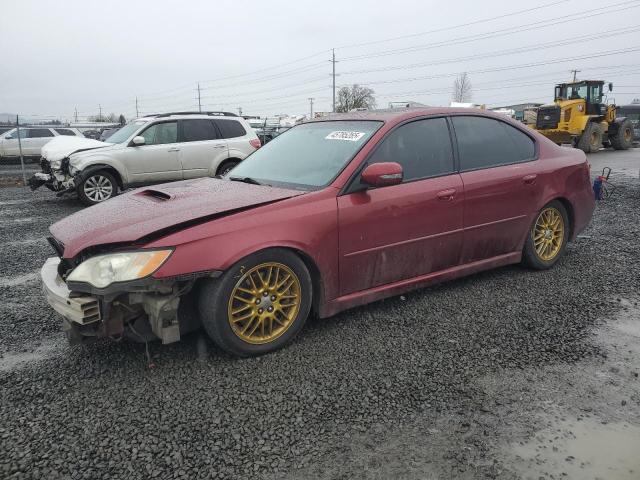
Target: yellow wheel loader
x: 580, y: 117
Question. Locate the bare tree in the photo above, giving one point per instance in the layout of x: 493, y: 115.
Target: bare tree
x: 462, y: 90
x: 350, y: 98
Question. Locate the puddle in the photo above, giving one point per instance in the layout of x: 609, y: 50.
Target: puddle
x: 15, y: 202
x: 19, y: 279
x: 29, y: 241
x: 12, y: 360
x: 583, y: 449
x: 18, y: 220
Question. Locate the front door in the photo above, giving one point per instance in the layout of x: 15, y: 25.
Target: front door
x: 398, y: 232
x: 202, y: 148
x: 158, y: 159
x: 501, y: 185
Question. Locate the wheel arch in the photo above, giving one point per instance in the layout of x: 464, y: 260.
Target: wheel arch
x: 227, y: 160
x: 570, y: 213
x: 98, y: 167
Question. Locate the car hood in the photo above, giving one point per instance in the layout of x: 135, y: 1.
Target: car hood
x: 63, y: 146
x: 159, y: 209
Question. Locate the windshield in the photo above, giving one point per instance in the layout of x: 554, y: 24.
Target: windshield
x: 125, y: 132
x: 307, y: 156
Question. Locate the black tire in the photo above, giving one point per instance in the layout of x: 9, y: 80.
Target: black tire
x: 97, y: 187
x: 591, y: 139
x: 216, y: 304
x: 623, y: 139
x: 225, y: 166
x: 530, y: 256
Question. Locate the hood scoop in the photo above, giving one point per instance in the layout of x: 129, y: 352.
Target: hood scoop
x: 156, y: 195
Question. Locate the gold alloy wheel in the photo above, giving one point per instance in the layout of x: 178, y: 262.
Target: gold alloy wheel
x: 548, y: 234
x: 264, y: 303
x: 594, y: 139
x: 627, y: 135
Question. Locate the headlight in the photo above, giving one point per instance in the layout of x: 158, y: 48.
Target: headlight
x: 103, y: 270
x: 55, y: 164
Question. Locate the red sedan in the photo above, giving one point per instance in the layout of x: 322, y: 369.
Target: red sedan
x: 332, y: 214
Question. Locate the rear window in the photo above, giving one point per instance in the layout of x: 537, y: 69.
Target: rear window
x: 198, y: 130
x: 231, y: 128
x: 65, y: 131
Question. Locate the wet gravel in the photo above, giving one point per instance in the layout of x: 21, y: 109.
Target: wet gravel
x: 97, y: 411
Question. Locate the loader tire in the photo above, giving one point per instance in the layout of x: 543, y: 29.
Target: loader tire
x: 623, y: 139
x: 591, y: 139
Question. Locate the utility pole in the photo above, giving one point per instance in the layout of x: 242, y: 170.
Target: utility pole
x: 199, y: 104
x: 574, y: 74
x: 75, y: 114
x: 100, y: 116
x: 311, y: 107
x: 137, y: 112
x: 240, y: 111
x: 24, y: 175
x: 333, y: 64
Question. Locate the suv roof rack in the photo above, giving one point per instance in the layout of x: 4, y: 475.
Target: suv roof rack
x: 216, y: 114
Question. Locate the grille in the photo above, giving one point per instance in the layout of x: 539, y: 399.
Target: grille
x: 548, y: 117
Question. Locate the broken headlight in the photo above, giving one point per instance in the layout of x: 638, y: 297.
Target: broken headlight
x: 103, y: 270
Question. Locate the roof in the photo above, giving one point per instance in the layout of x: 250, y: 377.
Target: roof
x: 397, y: 115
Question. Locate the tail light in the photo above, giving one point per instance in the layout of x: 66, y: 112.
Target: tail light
x: 255, y: 143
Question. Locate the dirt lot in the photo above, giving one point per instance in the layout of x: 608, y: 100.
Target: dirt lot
x: 506, y: 374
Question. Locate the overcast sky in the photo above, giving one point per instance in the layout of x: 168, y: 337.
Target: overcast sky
x: 270, y: 56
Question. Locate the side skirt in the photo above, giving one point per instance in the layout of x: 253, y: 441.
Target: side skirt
x: 392, y: 289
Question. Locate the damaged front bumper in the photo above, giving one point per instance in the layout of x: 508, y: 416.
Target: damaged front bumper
x: 155, y: 309
x: 58, y: 180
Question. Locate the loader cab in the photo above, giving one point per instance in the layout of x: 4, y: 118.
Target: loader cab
x: 591, y: 91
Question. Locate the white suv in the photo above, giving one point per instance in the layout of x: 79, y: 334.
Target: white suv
x: 32, y: 139
x: 152, y: 149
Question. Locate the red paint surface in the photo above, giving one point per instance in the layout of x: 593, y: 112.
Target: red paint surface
x: 366, y: 245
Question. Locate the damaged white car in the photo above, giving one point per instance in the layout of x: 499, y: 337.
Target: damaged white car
x: 153, y: 149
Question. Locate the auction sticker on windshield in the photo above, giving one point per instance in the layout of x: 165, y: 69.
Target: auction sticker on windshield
x: 344, y: 135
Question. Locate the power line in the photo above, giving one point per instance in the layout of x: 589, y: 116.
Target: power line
x: 500, y: 33
x: 443, y: 29
x: 523, y: 49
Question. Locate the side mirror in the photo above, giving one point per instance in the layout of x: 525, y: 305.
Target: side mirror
x: 137, y: 141
x: 382, y: 174
x: 610, y: 86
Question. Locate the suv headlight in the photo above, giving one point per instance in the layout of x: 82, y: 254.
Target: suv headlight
x: 103, y: 270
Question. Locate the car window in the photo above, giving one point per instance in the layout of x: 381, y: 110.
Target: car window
x: 65, y: 131
x: 161, y: 133
x: 198, y: 130
x: 39, y: 133
x: 423, y: 148
x: 230, y: 128
x: 485, y: 142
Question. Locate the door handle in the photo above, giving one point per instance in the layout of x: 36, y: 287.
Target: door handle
x: 529, y: 179
x: 173, y: 150
x: 219, y: 146
x: 446, y: 194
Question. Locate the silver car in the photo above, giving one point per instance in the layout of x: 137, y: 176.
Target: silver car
x: 152, y: 149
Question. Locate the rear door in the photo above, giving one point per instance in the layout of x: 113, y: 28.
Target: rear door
x: 237, y: 137
x: 36, y: 139
x: 398, y: 232
x: 201, y: 148
x: 502, y: 187
x: 156, y: 160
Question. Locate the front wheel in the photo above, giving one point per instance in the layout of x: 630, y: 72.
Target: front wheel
x: 547, y: 237
x: 259, y: 304
x: 97, y: 187
x: 591, y: 139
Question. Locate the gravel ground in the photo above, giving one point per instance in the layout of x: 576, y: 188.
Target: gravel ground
x: 398, y: 389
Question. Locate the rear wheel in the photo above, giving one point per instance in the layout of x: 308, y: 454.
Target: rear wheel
x: 97, y: 187
x: 623, y: 139
x: 547, y: 238
x: 225, y: 167
x: 259, y: 304
x: 591, y: 139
